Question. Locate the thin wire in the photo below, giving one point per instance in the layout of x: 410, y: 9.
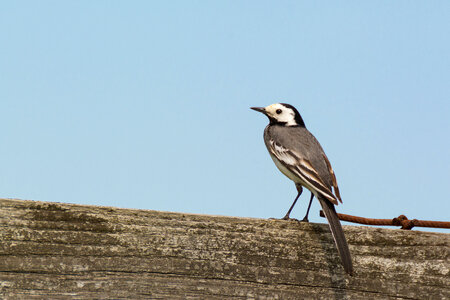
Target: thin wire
x: 401, y: 220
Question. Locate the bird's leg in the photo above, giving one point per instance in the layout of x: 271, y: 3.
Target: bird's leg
x: 299, y: 190
x: 305, y: 219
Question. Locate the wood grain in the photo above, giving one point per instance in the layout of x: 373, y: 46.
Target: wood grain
x: 65, y: 251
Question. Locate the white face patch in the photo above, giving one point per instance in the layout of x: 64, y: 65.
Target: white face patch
x: 281, y: 113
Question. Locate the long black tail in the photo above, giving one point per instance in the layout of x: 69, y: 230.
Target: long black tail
x: 338, y: 234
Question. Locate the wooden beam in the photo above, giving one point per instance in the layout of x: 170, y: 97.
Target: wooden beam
x: 58, y: 251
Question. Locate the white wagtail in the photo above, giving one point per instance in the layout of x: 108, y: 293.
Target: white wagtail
x: 299, y: 156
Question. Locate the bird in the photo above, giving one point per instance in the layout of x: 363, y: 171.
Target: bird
x: 299, y: 156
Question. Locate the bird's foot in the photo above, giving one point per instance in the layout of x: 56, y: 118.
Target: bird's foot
x: 286, y: 217
x: 305, y: 219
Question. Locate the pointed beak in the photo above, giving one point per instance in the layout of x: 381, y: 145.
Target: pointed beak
x: 259, y: 109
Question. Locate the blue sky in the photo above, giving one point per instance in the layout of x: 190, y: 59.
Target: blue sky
x: 145, y: 104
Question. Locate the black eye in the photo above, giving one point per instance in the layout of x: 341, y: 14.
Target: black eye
x: 278, y: 111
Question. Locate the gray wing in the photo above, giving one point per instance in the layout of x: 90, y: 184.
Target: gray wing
x: 299, y: 151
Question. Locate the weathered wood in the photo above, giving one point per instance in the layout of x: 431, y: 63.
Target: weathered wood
x: 64, y: 251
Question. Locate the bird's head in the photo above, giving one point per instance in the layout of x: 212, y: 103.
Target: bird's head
x: 281, y: 114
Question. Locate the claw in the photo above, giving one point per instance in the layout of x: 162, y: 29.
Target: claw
x: 287, y: 218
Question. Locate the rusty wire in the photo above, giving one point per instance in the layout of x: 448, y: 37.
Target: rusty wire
x: 401, y: 220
